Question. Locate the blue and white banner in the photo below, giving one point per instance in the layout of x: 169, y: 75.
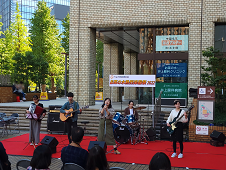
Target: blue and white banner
x: 171, y: 70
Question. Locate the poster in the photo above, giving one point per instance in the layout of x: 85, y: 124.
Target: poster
x: 202, y: 130
x: 206, y: 110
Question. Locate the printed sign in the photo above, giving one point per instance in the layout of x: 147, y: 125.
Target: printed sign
x: 206, y: 93
x: 202, y: 130
x: 172, y: 90
x: 171, y: 70
x: 99, y: 96
x: 205, y: 110
x: 132, y: 80
x: 172, y: 43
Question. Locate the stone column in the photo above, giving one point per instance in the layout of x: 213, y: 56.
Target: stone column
x: 82, y: 68
x: 113, y: 56
x: 130, y: 61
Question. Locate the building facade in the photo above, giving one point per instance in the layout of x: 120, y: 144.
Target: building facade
x: 27, y: 7
x: 130, y: 30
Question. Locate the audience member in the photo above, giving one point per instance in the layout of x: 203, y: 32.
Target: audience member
x: 160, y: 161
x: 73, y: 153
x: 97, y: 159
x: 4, y: 158
x: 41, y: 159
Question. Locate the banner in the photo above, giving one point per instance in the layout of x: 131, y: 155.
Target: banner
x: 172, y: 90
x: 171, y: 70
x: 99, y: 96
x: 132, y: 80
x: 172, y: 43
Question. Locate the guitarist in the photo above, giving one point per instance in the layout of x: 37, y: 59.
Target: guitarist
x: 178, y: 132
x: 71, y: 121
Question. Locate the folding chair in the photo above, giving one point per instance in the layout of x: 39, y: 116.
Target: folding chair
x: 71, y: 166
x: 22, y: 164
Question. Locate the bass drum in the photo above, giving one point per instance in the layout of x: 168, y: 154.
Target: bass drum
x: 122, y: 134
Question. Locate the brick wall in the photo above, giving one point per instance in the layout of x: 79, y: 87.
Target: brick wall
x: 192, y: 127
x: 6, y: 94
x: 135, y: 13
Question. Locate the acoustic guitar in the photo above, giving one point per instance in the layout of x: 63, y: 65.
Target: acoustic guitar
x: 170, y: 129
x: 65, y: 116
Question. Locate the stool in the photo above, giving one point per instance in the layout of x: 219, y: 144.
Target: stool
x: 85, y: 122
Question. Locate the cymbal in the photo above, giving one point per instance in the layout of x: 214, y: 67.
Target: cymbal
x: 140, y: 108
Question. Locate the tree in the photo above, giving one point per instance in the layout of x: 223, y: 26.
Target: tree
x: 215, y: 75
x: 65, y: 33
x: 20, y: 40
x: 46, y: 40
x: 99, y: 57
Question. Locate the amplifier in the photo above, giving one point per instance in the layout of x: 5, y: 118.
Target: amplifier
x: 54, y: 124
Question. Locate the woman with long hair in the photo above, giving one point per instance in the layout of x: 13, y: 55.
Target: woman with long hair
x: 41, y: 158
x: 105, y: 131
x: 97, y: 159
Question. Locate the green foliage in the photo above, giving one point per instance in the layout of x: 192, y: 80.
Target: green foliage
x: 196, y: 122
x: 46, y: 40
x: 99, y: 57
x: 215, y: 75
x: 65, y: 33
x: 20, y: 40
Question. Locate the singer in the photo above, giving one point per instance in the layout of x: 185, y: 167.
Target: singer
x: 105, y: 131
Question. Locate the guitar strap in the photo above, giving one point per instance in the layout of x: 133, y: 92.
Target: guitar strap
x: 178, y: 114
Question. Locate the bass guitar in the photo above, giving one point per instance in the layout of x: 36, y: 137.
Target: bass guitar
x: 172, y: 127
x: 65, y: 116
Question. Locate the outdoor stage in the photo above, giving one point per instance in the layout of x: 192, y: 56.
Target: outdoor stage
x: 196, y: 155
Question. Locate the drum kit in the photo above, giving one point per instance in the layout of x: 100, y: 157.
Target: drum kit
x: 127, y: 128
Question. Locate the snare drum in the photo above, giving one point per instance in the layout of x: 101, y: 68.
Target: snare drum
x: 117, y: 118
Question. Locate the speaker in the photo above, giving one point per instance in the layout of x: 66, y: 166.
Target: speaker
x: 52, y: 142
x: 164, y: 135
x: 151, y: 134
x: 54, y: 124
x: 102, y: 144
x: 219, y: 136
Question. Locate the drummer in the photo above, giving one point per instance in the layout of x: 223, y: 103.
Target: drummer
x: 131, y: 111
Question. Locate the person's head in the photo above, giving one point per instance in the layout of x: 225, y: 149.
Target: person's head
x: 177, y: 104
x: 35, y: 99
x: 70, y: 96
x: 77, y: 134
x: 160, y: 161
x: 107, y: 102
x: 97, y: 159
x: 131, y: 104
x: 21, y: 82
x: 41, y: 157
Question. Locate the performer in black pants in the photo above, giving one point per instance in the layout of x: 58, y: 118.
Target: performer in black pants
x: 71, y: 121
x: 178, y: 132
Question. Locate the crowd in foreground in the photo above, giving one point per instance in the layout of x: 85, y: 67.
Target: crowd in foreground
x: 95, y: 159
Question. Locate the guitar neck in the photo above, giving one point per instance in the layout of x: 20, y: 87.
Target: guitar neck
x: 190, y: 108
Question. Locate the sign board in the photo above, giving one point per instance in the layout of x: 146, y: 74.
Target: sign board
x: 205, y: 110
x: 172, y: 43
x: 99, y: 96
x: 206, y: 93
x: 132, y: 80
x: 202, y: 130
x: 44, y: 96
x: 171, y: 70
x: 172, y: 90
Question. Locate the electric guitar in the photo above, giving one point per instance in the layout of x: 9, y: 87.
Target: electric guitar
x: 65, y: 116
x: 172, y: 127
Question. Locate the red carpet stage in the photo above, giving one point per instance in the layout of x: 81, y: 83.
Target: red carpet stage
x: 196, y: 155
